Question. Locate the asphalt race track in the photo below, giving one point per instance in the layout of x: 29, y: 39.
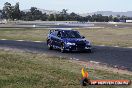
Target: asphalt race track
x: 113, y: 56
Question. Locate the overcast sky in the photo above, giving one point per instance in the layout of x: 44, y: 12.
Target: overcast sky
x: 78, y: 6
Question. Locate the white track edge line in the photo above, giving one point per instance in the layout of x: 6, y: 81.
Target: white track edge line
x: 95, y: 62
x: 3, y: 39
x: 37, y: 41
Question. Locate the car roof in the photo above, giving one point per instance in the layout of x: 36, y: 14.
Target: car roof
x: 64, y: 30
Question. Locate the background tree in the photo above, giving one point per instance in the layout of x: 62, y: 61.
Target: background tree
x: 22, y: 15
x: 116, y: 19
x: 89, y: 18
x: 105, y: 19
x: 51, y: 17
x: 44, y: 17
x: 73, y: 16
x: 0, y: 14
x: 64, y: 15
x: 110, y: 18
x: 16, y: 12
x: 34, y: 14
x: 123, y: 17
x: 7, y: 10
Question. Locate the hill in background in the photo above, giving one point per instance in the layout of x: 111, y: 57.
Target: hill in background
x: 108, y: 13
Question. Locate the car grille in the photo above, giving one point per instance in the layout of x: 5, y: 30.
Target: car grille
x: 80, y: 45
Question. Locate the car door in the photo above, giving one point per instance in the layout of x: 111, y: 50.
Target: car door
x: 59, y: 39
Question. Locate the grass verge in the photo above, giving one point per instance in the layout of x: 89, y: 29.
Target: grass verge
x: 34, y: 70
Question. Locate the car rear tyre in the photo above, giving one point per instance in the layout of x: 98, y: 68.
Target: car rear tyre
x: 50, y: 47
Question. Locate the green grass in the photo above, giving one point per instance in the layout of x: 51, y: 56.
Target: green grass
x: 34, y: 70
x: 108, y: 36
x: 24, y: 34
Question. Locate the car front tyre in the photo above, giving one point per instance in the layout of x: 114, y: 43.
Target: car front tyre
x: 50, y: 47
x: 89, y: 51
x: 63, y: 48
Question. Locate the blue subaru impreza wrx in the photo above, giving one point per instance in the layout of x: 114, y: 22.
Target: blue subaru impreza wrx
x: 67, y: 40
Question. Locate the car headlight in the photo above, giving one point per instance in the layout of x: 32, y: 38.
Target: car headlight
x: 69, y: 43
x: 88, y: 43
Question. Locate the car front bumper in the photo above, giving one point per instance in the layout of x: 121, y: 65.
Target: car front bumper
x: 78, y: 48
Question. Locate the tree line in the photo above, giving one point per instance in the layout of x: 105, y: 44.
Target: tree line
x: 14, y: 13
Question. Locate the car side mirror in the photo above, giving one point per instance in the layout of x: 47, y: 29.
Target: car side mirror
x: 83, y: 36
x: 50, y: 31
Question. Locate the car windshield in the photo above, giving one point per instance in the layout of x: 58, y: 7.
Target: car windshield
x: 70, y: 34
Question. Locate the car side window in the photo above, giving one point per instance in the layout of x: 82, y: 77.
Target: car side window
x: 55, y: 33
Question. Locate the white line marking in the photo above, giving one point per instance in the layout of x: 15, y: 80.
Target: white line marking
x: 116, y: 46
x: 3, y: 39
x: 95, y: 62
x: 37, y: 41
x: 77, y: 59
x: 101, y: 45
x: 20, y: 40
x: 74, y: 59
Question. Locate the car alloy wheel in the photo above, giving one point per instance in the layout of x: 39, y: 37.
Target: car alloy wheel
x: 89, y: 51
x: 49, y: 45
x: 62, y: 48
